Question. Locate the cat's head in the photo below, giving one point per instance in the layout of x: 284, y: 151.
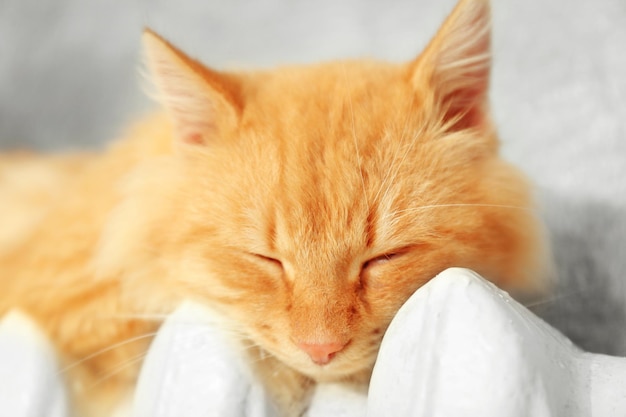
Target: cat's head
x: 308, y: 203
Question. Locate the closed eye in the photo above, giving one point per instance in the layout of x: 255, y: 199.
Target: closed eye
x: 268, y: 259
x: 369, y: 267
x: 379, y: 260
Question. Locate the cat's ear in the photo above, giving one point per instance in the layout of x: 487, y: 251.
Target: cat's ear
x: 202, y: 102
x: 456, y: 64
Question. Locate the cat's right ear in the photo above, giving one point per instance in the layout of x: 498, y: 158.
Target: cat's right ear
x: 202, y: 102
x: 456, y: 64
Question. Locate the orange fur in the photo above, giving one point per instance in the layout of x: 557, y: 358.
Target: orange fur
x: 305, y: 203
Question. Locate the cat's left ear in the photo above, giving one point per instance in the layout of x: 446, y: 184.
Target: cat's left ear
x: 455, y: 66
x: 202, y: 102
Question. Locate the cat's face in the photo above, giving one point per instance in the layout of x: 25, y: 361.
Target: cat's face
x: 329, y: 206
x: 309, y: 203
x: 317, y: 212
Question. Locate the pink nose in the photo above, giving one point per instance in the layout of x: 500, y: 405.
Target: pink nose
x: 321, y: 353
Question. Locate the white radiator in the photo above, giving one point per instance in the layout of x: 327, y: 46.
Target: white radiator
x: 458, y: 347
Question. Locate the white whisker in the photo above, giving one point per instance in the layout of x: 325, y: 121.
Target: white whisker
x: 107, y: 349
x: 118, y: 368
x: 433, y: 206
x: 389, y: 177
x: 356, y: 142
x: 146, y: 317
x: 552, y: 299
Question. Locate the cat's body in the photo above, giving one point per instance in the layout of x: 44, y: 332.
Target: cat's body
x: 305, y: 204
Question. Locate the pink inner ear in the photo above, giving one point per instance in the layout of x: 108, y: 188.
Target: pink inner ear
x: 468, y: 107
x: 459, y: 57
x: 466, y: 86
x: 198, y: 99
x: 195, y: 126
x: 193, y: 139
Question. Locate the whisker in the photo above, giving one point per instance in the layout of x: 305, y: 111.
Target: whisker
x: 261, y: 357
x: 400, y: 214
x: 392, y: 175
x: 354, y: 137
x: 146, y: 317
x: 433, y: 206
x: 552, y: 299
x: 107, y: 349
x: 118, y: 368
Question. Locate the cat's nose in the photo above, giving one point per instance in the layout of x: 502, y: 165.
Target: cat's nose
x: 321, y: 353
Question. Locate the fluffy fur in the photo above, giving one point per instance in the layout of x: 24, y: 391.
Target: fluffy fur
x: 304, y: 203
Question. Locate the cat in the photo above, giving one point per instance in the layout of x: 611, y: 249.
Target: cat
x: 305, y: 204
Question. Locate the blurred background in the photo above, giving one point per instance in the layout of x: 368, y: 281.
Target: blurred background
x: 70, y: 79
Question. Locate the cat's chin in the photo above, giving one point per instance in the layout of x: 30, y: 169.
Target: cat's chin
x: 360, y: 376
x: 337, y: 371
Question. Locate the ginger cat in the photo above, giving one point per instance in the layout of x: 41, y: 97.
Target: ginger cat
x: 305, y: 204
